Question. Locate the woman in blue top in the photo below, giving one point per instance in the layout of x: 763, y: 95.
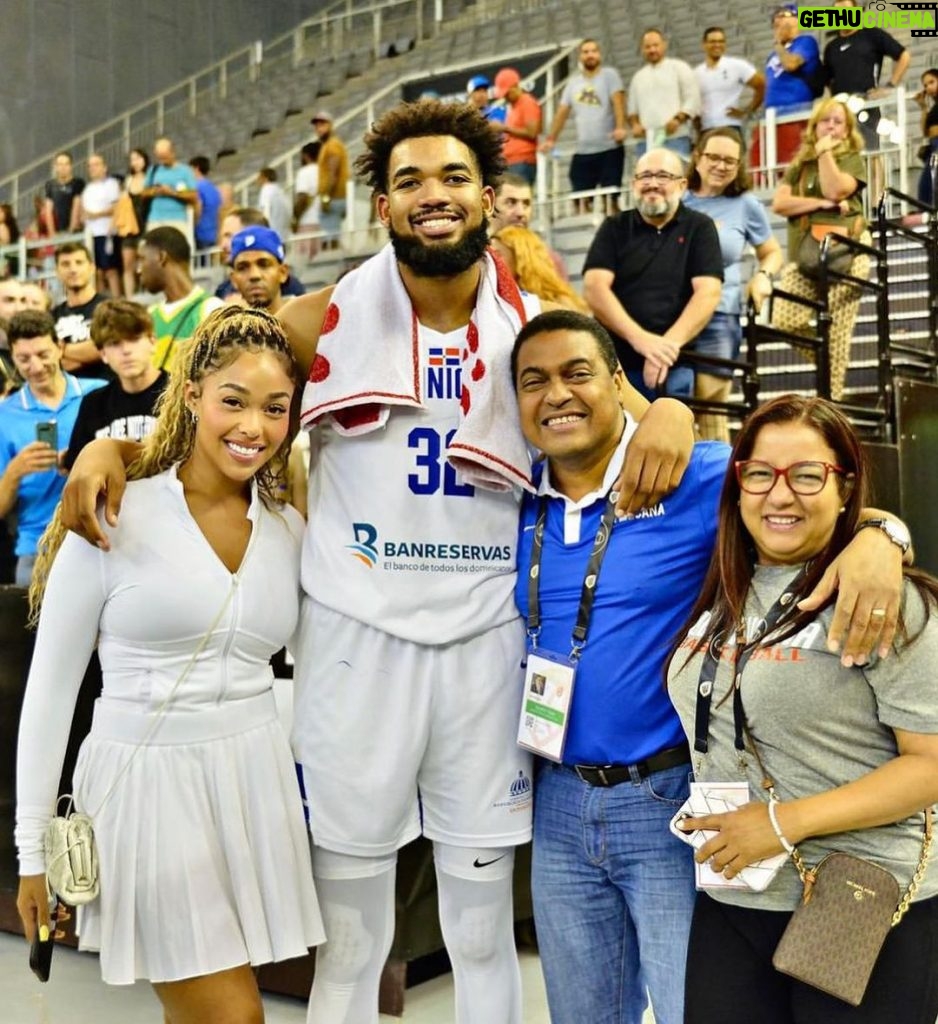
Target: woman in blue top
x: 719, y: 185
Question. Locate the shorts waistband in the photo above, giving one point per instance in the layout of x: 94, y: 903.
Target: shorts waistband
x: 127, y: 723
x: 613, y: 774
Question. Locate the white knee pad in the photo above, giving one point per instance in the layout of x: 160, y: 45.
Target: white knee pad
x: 356, y: 896
x: 476, y: 916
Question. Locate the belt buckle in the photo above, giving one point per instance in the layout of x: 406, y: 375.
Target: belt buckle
x: 582, y: 771
x: 597, y: 774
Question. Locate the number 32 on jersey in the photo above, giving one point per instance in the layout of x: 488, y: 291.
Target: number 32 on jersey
x: 432, y: 469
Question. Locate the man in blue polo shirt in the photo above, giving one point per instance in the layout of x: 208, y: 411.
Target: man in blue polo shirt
x: 613, y: 889
x: 30, y: 481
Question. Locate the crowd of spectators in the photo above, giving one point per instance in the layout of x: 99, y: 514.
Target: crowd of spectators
x: 699, y: 113
x: 662, y: 277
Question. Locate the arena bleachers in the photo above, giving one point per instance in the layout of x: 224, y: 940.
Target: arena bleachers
x: 356, y: 60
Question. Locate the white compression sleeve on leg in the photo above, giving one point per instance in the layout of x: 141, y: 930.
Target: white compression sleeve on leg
x: 356, y: 896
x: 477, y: 920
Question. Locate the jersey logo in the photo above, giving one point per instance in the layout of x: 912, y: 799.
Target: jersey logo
x: 364, y: 547
x: 444, y: 373
x: 485, y: 863
x: 521, y: 786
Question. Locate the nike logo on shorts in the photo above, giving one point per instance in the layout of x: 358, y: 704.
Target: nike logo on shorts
x: 485, y: 863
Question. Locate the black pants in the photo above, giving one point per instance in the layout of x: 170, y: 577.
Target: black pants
x: 731, y: 980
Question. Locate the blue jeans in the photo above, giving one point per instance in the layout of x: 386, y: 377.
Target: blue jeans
x: 721, y: 337
x: 678, y: 384
x: 331, y: 220
x: 613, y: 896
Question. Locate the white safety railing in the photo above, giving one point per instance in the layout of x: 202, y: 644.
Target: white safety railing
x: 384, y: 97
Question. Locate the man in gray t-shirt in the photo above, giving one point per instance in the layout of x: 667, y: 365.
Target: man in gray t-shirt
x: 597, y: 99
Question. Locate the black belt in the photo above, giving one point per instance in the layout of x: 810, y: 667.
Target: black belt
x: 613, y: 774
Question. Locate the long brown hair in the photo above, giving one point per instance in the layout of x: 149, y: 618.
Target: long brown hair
x: 219, y: 340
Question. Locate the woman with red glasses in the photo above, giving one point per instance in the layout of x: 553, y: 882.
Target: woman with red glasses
x: 851, y: 752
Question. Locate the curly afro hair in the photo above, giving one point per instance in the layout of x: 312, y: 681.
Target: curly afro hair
x: 430, y: 117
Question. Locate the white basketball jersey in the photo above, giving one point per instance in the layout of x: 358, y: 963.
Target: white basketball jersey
x: 396, y: 538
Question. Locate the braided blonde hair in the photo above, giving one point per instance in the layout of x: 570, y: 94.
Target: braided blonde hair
x: 219, y: 340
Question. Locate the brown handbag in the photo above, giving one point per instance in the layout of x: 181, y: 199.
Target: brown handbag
x: 835, y: 935
x: 808, y: 255
x: 847, y: 909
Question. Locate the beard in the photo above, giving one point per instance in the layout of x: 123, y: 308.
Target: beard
x: 442, y: 259
x: 656, y: 206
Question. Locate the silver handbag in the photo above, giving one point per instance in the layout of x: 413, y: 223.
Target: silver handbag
x: 72, y: 858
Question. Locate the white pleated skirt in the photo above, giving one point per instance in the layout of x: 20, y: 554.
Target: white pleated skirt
x: 203, y: 849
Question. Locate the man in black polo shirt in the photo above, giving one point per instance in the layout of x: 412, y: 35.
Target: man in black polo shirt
x: 653, y: 277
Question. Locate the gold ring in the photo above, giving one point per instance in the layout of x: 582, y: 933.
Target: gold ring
x: 878, y: 612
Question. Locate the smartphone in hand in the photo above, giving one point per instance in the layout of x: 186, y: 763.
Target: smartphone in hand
x: 40, y: 953
x: 48, y: 432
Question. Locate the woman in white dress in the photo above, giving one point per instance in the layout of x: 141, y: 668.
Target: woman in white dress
x: 187, y: 774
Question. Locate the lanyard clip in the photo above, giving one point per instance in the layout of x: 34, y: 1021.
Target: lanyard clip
x: 575, y: 651
x: 533, y: 634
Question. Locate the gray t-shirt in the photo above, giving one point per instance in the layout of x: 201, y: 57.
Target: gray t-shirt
x: 817, y: 725
x: 590, y: 100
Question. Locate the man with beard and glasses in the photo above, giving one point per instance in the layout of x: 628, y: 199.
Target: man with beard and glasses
x: 408, y: 681
x: 653, y: 276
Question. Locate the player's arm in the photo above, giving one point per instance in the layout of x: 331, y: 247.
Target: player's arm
x: 302, y: 319
x: 658, y: 453
x: 100, y: 469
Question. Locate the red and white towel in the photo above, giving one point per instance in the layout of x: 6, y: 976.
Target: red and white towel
x: 368, y: 359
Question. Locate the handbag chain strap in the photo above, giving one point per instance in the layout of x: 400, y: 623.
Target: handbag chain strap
x: 808, y: 875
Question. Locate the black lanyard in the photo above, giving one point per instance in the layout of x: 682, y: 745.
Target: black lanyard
x: 590, y: 580
x: 711, y: 660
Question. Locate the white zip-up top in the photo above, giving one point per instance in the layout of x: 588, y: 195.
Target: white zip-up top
x: 148, y: 604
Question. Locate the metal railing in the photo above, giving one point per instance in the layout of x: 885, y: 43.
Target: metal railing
x: 378, y: 101
x: 339, y: 28
x: 917, y: 358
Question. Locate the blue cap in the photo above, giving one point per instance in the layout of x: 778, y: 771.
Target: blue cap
x: 478, y: 82
x: 257, y: 238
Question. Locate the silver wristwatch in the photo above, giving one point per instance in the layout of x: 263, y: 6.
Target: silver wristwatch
x: 897, y: 532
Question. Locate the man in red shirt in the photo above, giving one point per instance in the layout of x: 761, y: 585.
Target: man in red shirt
x: 522, y: 124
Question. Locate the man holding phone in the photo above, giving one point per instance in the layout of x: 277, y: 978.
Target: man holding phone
x: 35, y: 426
